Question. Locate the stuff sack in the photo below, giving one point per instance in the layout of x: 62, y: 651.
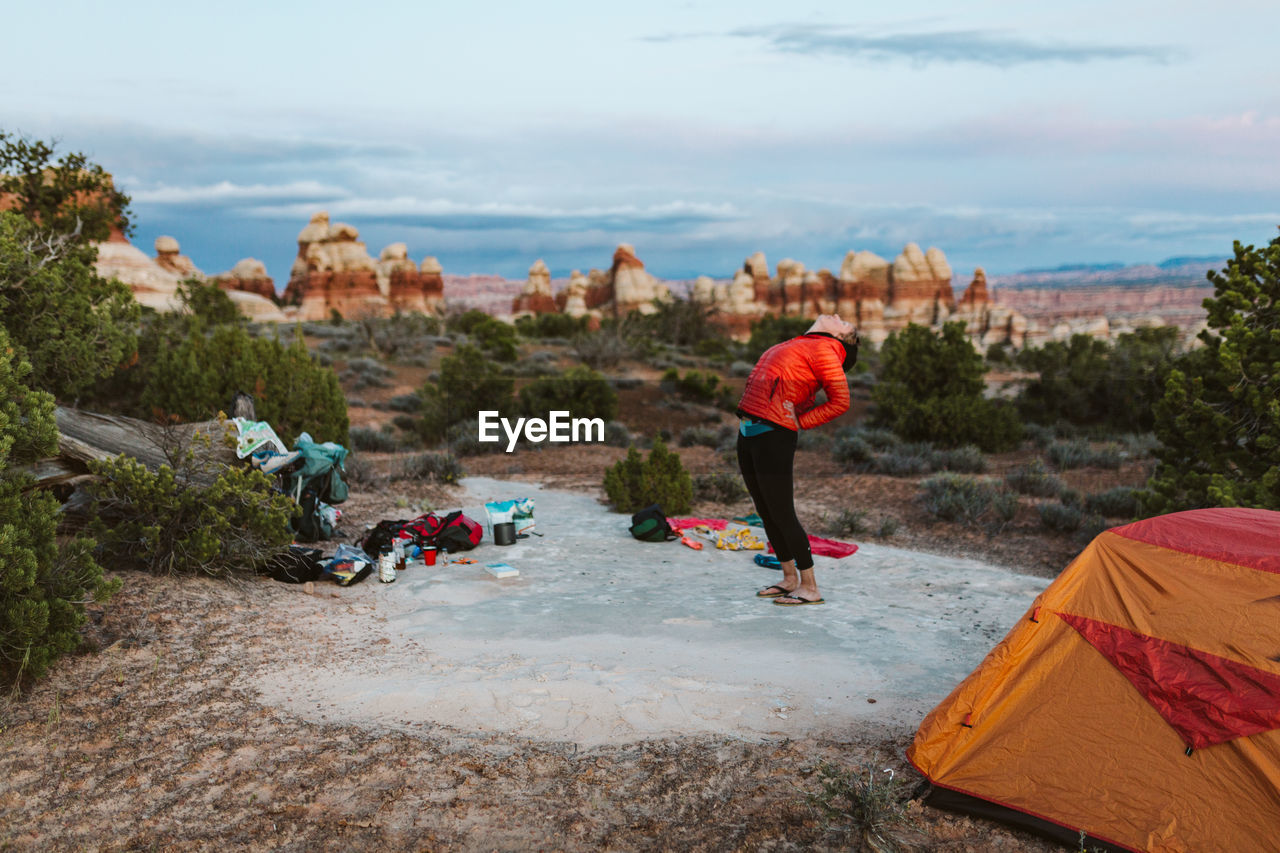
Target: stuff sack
x: 650, y: 525
x: 317, y: 521
x: 458, y: 533
x: 297, y: 565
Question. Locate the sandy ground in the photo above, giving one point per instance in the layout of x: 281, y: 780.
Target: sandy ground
x: 615, y: 695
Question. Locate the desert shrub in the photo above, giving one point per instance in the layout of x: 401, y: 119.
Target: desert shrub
x: 616, y: 434
x: 931, y: 389
x: 1061, y: 517
x: 463, y: 439
x: 1039, y: 435
x: 195, y: 517
x: 955, y: 497
x: 1139, y: 444
x: 903, y: 462
x: 626, y: 383
x: 965, y: 460
x: 634, y: 483
x: 1078, y: 453
x: 1087, y: 381
x: 466, y: 322
x: 851, y: 450
x: 865, y: 802
x: 741, y: 369
x: 848, y: 522
x: 373, y: 441
x: 497, y: 339
x: 361, y: 474
x: 605, y: 347
x: 1034, y: 479
x: 724, y: 487
x: 878, y: 439
x: 1120, y: 502
x: 364, y: 372
x: 44, y: 584
x: 402, y: 336
x: 699, y: 436
x: 468, y: 383
x: 550, y: 325
x: 679, y: 322
x: 774, y: 329
x: 581, y: 391
x: 816, y: 440
x: 695, y: 385
x: 190, y: 371
x: 431, y: 467
x: 888, y: 527
x: 410, y: 403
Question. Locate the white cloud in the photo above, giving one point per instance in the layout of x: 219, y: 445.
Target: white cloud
x: 228, y: 193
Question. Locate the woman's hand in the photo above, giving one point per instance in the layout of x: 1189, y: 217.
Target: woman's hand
x: 791, y: 410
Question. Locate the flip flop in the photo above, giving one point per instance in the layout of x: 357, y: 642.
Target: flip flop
x: 765, y: 593
x: 768, y: 562
x: 798, y: 601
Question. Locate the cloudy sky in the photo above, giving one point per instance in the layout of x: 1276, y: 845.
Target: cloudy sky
x: 1012, y: 135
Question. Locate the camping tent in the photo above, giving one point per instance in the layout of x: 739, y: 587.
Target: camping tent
x: 1137, y: 700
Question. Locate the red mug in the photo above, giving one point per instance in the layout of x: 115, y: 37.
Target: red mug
x: 429, y: 555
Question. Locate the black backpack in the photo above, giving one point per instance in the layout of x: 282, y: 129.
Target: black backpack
x: 650, y: 525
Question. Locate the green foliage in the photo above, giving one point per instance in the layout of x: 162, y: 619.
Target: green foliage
x: 605, y: 347
x: 968, y: 500
x: 496, y: 338
x: 1068, y: 518
x: 73, y: 326
x: 865, y: 802
x: 373, y: 440
x: 696, y: 386
x: 195, y: 517
x: 634, y: 483
x: 774, y: 329
x: 681, y: 323
x: 431, y: 467
x: 209, y: 302
x: 1079, y: 453
x: 931, y: 387
x: 1120, y: 502
x: 469, y: 383
x: 580, y: 391
x: 724, y: 487
x: 190, y: 371
x: 43, y: 585
x: 1087, y: 381
x: 1034, y: 479
x: 550, y: 325
x: 1219, y: 420
x: 69, y: 195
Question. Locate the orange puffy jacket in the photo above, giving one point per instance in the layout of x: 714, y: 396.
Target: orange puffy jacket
x: 793, y: 371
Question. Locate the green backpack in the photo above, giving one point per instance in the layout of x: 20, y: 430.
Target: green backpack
x: 650, y: 525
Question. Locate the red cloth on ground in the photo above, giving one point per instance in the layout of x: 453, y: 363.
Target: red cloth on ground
x: 827, y: 547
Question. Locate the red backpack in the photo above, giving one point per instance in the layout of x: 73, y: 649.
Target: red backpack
x: 458, y: 532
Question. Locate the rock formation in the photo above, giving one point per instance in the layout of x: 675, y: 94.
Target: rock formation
x: 573, y: 299
x: 248, y: 276
x: 633, y: 287
x: 536, y: 298
x: 406, y: 286
x: 168, y: 257
x: 333, y: 272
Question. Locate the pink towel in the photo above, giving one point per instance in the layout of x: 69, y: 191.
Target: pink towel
x: 686, y: 523
x: 828, y: 547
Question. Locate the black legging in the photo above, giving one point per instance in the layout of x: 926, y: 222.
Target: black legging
x: 766, y: 461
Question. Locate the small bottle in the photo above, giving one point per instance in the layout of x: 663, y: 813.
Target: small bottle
x: 386, y: 565
x: 397, y: 550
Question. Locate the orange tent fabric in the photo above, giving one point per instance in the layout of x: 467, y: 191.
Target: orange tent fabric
x: 1139, y: 698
